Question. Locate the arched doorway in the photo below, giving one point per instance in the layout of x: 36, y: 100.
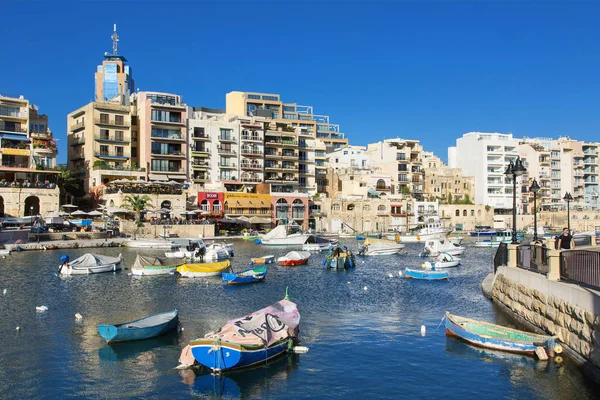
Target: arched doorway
x: 204, y: 205
x: 166, y: 204
x: 1, y: 207
x: 282, y: 209
x: 32, y: 206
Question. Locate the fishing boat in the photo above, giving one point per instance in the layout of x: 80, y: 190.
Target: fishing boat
x: 143, y: 328
x: 497, y: 337
x: 294, y: 258
x: 262, y: 260
x: 494, y: 240
x: 89, y: 264
x: 434, y: 247
x: 201, y: 270
x: 148, y: 265
x: 284, y: 235
x: 256, y: 274
x: 150, y: 244
x: 431, y: 230
x: 481, y: 230
x: 249, y: 340
x: 316, y: 243
x: 339, y: 257
x: 379, y: 248
x: 444, y: 260
x: 426, y: 275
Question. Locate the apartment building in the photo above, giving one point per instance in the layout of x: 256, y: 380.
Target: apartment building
x: 355, y: 157
x: 402, y: 159
x: 321, y: 166
x: 28, y: 156
x: 444, y: 183
x: 485, y: 157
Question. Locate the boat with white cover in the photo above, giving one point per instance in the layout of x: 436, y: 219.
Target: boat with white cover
x: 90, y: 264
x: 434, y: 247
x: 316, y: 243
x: 430, y: 230
x: 284, y: 235
x: 379, y: 248
x: 444, y: 260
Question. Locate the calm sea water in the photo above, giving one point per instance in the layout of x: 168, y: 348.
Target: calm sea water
x: 363, y: 343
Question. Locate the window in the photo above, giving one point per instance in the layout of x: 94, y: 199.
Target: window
x: 119, y: 135
x: 335, y: 207
x: 464, y: 213
x: 104, y: 150
x: 134, y: 120
x: 104, y: 118
x: 458, y: 213
x: 381, y: 208
x: 104, y: 134
x: 350, y: 207
x: 119, y: 151
x: 472, y: 213
x: 119, y: 120
x: 345, y: 153
x: 366, y: 208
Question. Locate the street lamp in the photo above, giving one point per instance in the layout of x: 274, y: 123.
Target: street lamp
x: 568, y: 198
x: 515, y: 170
x: 534, y: 188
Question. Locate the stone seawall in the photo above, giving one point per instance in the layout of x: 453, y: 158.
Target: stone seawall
x: 570, y: 314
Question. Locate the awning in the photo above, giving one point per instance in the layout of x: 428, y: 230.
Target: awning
x: 233, y: 202
x: 11, y: 136
x: 372, y: 192
x: 155, y: 177
x: 259, y: 220
x: 395, y: 205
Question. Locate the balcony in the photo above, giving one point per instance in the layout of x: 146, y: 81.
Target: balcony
x: 168, y: 137
x: 201, y: 178
x: 47, y: 135
x: 112, y: 122
x: 383, y: 188
x: 77, y: 157
x: 306, y: 171
x: 111, y: 138
x: 250, y: 152
x: 227, y: 165
x: 253, y: 179
x: 227, y: 139
x: 176, y: 154
x: 15, y: 151
x: 226, y: 152
x: 282, y: 143
x: 9, y: 115
x: 100, y: 105
x: 290, y: 155
x: 111, y: 155
x: 306, y: 160
x: 254, y: 137
x: 14, y: 130
x: 271, y: 154
x: 77, y: 127
x: 106, y: 167
x: 200, y: 136
x: 168, y: 170
x: 76, y: 141
x: 200, y: 165
x: 251, y: 166
x: 6, y: 164
x: 167, y: 105
x: 44, y: 148
x: 171, y: 121
x: 200, y: 152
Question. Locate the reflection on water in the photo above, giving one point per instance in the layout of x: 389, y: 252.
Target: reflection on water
x: 362, y: 342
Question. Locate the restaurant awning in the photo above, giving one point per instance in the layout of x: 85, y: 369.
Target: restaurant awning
x: 247, y: 203
x: 156, y: 177
x: 12, y: 136
x: 372, y: 192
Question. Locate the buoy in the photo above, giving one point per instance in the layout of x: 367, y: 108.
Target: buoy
x: 300, y: 349
x: 18, y: 328
x: 558, y: 348
x: 423, y: 330
x: 419, y: 238
x: 78, y: 316
x: 557, y: 359
x: 390, y: 275
x: 365, y: 288
x: 41, y: 308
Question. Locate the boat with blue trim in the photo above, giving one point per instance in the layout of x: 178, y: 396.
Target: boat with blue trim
x: 425, y: 275
x: 251, y: 275
x: 143, y: 328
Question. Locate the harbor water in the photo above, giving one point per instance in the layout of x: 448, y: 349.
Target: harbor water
x: 363, y: 328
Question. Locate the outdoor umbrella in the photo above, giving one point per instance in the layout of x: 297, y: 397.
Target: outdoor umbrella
x: 259, y: 220
x: 78, y: 212
x: 94, y: 213
x: 69, y: 206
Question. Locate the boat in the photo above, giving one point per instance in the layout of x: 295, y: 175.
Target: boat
x: 504, y: 236
x: 150, y: 244
x: 149, y: 265
x: 143, y: 328
x: 498, y: 337
x: 5, y: 252
x: 426, y: 275
x: 444, y: 260
x: 205, y: 269
x: 249, y: 340
x: 434, y: 247
x: 284, y: 235
x: 481, y: 230
x: 431, y: 230
x: 294, y: 258
x: 379, y: 248
x: 360, y: 237
x: 192, y: 250
x: 339, y: 257
x: 256, y: 274
x: 262, y: 260
x: 217, y: 251
x: 316, y: 243
x: 89, y: 264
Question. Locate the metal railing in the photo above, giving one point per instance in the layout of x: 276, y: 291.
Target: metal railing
x: 581, y: 267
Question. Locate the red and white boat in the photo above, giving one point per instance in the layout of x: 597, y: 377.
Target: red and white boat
x: 294, y: 258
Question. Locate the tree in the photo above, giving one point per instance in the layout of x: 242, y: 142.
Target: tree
x: 66, y: 182
x: 137, y: 203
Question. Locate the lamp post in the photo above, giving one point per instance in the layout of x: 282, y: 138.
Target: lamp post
x: 568, y: 198
x: 534, y: 188
x: 515, y: 170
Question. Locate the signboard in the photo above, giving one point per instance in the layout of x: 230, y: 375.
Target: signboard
x: 15, y: 152
x: 212, y: 195
x: 249, y: 196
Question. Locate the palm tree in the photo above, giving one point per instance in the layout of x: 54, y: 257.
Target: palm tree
x: 66, y: 182
x: 137, y: 203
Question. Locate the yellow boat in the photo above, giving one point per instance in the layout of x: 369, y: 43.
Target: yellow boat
x: 205, y: 269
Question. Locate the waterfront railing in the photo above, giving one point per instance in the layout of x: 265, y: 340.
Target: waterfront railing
x: 581, y: 267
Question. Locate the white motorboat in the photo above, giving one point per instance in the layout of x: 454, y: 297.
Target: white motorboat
x: 431, y: 230
x: 316, y: 243
x: 495, y: 239
x: 444, y: 260
x: 150, y: 244
x: 4, y: 252
x: 284, y: 235
x: 434, y: 247
x: 379, y: 248
x: 192, y: 250
x: 216, y: 252
x: 89, y: 264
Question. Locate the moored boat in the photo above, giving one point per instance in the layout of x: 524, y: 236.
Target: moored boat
x: 316, y: 243
x: 339, y: 257
x: 435, y: 247
x: 497, y: 337
x: 256, y: 274
x: 143, y: 328
x: 249, y: 340
x: 294, y: 258
x: 425, y: 275
x: 262, y: 260
x: 284, y: 235
x: 89, y: 264
x: 217, y: 251
x: 150, y: 244
x: 148, y: 265
x: 444, y: 260
x: 201, y: 270
x: 379, y: 248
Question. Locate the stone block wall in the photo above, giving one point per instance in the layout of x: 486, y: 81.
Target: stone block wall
x: 575, y: 326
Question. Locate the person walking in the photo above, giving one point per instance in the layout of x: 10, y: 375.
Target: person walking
x: 565, y: 241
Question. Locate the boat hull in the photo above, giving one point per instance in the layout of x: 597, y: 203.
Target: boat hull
x: 382, y: 252
x: 263, y: 260
x: 316, y: 246
x: 145, y: 244
x: 426, y: 275
x: 123, y: 333
x: 90, y: 270
x: 455, y: 326
x: 248, y: 276
x: 417, y: 238
x: 154, y: 270
x: 292, y: 263
x: 203, y: 270
x: 222, y: 356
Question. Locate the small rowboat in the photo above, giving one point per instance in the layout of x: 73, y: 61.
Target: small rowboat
x: 145, y: 265
x: 200, y: 270
x: 262, y: 260
x: 294, y: 258
x: 497, y: 337
x: 444, y: 260
x: 89, y: 264
x: 426, y: 275
x: 144, y: 328
x: 251, y: 275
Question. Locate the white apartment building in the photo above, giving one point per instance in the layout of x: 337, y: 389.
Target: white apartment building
x: 354, y: 157
x: 485, y: 156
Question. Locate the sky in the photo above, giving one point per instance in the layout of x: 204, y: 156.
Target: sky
x: 426, y: 70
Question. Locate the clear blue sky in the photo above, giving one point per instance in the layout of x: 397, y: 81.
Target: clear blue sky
x: 420, y: 70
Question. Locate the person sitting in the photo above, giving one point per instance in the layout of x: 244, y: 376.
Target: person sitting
x: 566, y: 241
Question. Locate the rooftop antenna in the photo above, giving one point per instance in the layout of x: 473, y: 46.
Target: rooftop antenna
x: 115, y: 39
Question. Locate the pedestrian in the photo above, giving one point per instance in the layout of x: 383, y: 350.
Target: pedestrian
x: 565, y: 241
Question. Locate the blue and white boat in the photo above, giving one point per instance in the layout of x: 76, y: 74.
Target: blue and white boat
x: 249, y: 340
x: 426, y: 275
x: 481, y: 230
x: 143, y: 328
x: 251, y: 275
x: 497, y: 337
